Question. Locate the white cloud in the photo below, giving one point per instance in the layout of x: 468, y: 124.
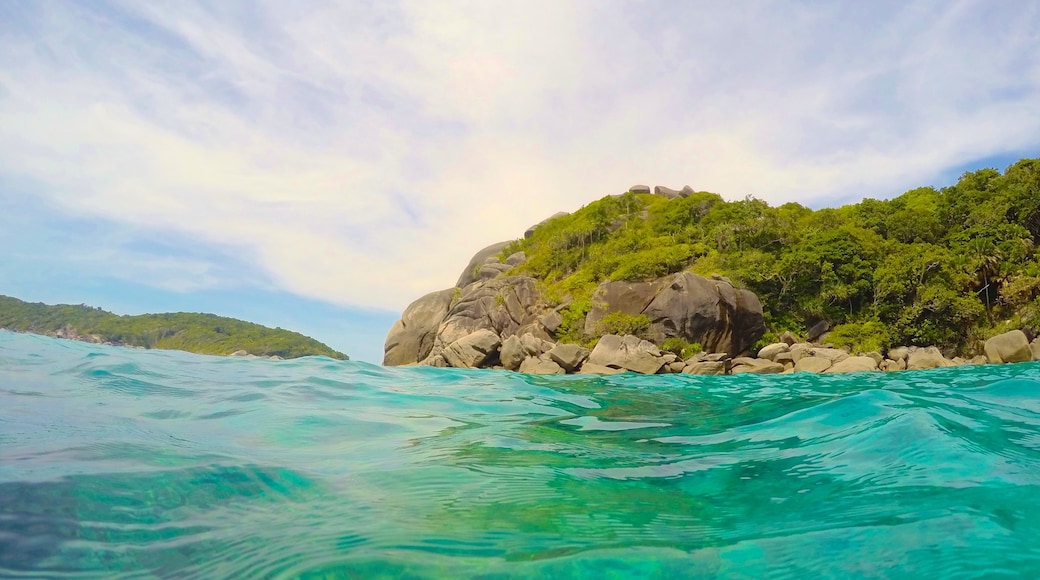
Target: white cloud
x: 360, y: 154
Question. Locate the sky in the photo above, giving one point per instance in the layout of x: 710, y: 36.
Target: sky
x: 318, y: 165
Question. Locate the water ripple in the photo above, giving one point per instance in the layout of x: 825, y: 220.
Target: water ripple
x: 126, y: 463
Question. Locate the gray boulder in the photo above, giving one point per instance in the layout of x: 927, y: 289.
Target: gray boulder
x: 892, y: 365
x: 1008, y: 347
x: 899, y: 353
x: 746, y: 364
x: 684, y: 305
x: 817, y: 330
x: 473, y: 350
x: 469, y: 275
x: 411, y: 338
x: 568, y: 356
x: 666, y: 192
x: 854, y: 364
x: 685, y: 191
x: 925, y: 358
x: 516, y: 258
x: 770, y: 351
x: 512, y: 353
x: 639, y: 189
x: 594, y: 369
x: 705, y: 368
x: 629, y: 352
x: 835, y: 355
x: 551, y: 321
x: 535, y: 346
x: 812, y: 364
x: 502, y: 305
x: 674, y: 367
x: 541, y: 365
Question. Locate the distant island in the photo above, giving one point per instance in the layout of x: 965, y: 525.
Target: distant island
x: 685, y: 272
x: 191, y: 332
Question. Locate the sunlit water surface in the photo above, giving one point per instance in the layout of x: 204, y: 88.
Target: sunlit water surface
x: 129, y: 463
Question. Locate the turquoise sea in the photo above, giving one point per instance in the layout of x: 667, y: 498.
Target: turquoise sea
x: 121, y: 463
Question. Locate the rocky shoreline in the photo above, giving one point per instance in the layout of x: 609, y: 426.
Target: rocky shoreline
x: 617, y: 354
x: 498, y: 317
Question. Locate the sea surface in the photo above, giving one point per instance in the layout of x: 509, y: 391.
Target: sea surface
x: 122, y: 463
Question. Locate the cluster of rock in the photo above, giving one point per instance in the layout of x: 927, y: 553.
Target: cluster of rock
x: 663, y: 191
x: 489, y: 317
x: 617, y: 354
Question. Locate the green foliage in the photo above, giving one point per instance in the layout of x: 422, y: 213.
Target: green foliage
x: 199, y: 333
x: 868, y: 336
x: 622, y: 324
x: 681, y: 348
x: 940, y: 267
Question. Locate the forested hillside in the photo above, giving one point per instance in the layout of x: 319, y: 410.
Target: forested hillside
x: 199, y: 333
x: 945, y: 267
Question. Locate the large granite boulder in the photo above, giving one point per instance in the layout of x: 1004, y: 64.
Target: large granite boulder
x: 1035, y: 347
x: 472, y: 271
x: 684, y: 305
x: 812, y: 364
x: 541, y: 365
x: 628, y: 352
x: 505, y: 305
x: 1008, y: 347
x: 707, y: 367
x: 770, y: 351
x: 639, y: 189
x: 854, y: 364
x: 666, y: 192
x: 758, y: 366
x: 502, y: 305
x: 925, y: 358
x: 472, y: 351
x: 568, y: 356
x: 512, y: 353
x: 411, y: 338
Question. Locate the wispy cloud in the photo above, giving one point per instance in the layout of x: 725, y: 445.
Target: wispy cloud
x: 360, y: 152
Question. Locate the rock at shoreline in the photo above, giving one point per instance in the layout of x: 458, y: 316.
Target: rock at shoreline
x: 812, y: 364
x: 687, y: 306
x: 1009, y: 347
x: 925, y: 358
x: 706, y: 368
x: 411, y: 338
x: 473, y: 350
x: 770, y: 351
x: 756, y: 366
x: 854, y: 364
x: 541, y: 365
x: 628, y: 352
x: 568, y: 356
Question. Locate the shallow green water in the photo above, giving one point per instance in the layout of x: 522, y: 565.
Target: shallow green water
x: 116, y: 462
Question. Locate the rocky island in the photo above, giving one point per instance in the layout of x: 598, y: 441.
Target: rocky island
x: 678, y: 281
